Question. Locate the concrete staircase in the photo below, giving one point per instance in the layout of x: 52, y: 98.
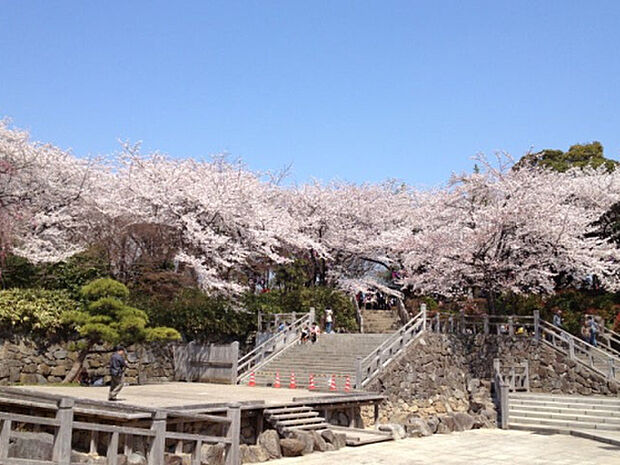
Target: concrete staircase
x: 564, y: 414
x: 332, y: 354
x: 380, y: 321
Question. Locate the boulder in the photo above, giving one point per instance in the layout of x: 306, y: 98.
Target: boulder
x: 446, y: 424
x: 33, y: 446
x: 270, y: 440
x: 291, y: 447
x: 319, y: 443
x: 463, y: 421
x: 253, y: 454
x: 87, y: 459
x: 307, y: 439
x: 417, y: 428
x: 136, y: 458
x: 328, y: 435
x: 398, y: 431
x: 212, y: 454
x: 433, y: 423
x: 340, y: 440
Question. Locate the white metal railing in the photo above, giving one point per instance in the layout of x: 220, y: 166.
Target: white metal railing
x: 280, y: 341
x: 610, y: 341
x: 578, y: 350
x: 370, y: 366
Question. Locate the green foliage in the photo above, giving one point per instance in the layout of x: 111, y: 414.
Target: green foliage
x: 107, y: 319
x: 34, y: 311
x: 104, y: 288
x: 196, y: 315
x: 578, y: 156
x: 301, y: 299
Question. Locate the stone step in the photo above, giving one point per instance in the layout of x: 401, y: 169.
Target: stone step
x: 564, y: 416
x: 574, y: 405
x: 568, y: 411
x: 313, y: 427
x: 564, y: 398
x: 561, y: 423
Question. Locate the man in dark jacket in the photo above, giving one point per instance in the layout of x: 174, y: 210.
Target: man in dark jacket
x: 117, y: 368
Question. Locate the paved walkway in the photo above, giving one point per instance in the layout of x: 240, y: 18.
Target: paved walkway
x: 477, y: 447
x: 180, y: 394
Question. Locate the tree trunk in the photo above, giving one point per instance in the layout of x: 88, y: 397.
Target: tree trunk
x: 491, y: 302
x: 76, y: 368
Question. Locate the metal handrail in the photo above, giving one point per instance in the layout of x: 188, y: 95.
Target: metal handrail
x: 570, y: 344
x: 272, y: 346
x: 611, y: 337
x: 368, y: 367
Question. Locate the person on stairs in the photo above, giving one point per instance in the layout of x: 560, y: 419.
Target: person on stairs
x: 329, y: 320
x: 314, y: 332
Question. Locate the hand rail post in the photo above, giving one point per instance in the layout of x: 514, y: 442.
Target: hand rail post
x: 486, y: 324
x: 5, y: 436
x: 511, y: 326
x: 571, y: 349
x: 62, y: 439
x: 358, y: 372
x: 423, y: 310
x: 537, y: 325
x: 504, y: 406
x: 234, y: 415
x: 612, y: 368
x: 158, y: 443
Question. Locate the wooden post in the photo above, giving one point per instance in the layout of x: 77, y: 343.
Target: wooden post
x: 5, y: 436
x: 358, y: 372
x: 486, y: 324
x: 197, y: 453
x: 158, y: 443
x: 511, y: 326
x: 537, y: 325
x: 94, y: 437
x: 112, y: 455
x: 234, y: 430
x: 234, y: 358
x: 62, y: 439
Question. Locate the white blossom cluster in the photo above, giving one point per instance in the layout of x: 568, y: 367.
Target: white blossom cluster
x: 498, y: 229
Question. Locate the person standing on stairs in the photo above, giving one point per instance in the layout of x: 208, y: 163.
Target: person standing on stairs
x: 117, y: 369
x: 329, y: 320
x: 593, y: 327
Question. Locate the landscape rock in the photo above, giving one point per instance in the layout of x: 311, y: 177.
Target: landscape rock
x: 307, y: 439
x: 291, y: 447
x: 213, y: 454
x: 34, y: 446
x: 397, y: 431
x: 463, y: 421
x: 253, y: 454
x: 136, y: 458
x: 417, y: 428
x: 270, y: 440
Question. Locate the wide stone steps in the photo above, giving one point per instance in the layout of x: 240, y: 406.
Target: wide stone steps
x: 563, y: 413
x: 380, y: 321
x: 332, y: 354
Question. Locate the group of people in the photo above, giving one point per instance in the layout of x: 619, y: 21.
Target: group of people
x: 375, y: 300
x: 589, y: 327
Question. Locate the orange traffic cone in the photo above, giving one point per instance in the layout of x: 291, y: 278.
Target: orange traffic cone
x: 276, y: 384
x: 293, y: 383
x: 347, y: 385
x: 311, y: 386
x: 252, y: 381
x: 332, y: 384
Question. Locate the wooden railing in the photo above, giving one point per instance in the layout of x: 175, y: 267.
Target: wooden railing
x: 370, y: 366
x: 579, y: 350
x: 156, y: 435
x: 280, y: 341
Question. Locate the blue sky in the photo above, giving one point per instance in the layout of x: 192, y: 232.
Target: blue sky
x: 354, y: 90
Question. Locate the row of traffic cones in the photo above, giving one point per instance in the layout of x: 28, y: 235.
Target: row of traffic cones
x: 311, y: 385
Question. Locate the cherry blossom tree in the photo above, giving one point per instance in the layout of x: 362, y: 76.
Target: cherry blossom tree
x: 513, y: 230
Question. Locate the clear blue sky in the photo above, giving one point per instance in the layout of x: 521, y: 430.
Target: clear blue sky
x: 356, y: 90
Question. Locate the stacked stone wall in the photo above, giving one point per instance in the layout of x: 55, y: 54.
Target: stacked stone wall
x: 27, y: 362
x: 443, y: 382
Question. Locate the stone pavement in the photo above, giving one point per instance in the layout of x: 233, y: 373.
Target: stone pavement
x: 477, y: 447
x: 167, y: 395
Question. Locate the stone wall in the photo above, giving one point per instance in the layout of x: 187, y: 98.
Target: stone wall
x: 443, y: 382
x: 26, y: 362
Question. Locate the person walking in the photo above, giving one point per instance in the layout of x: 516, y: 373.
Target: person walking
x: 593, y: 326
x: 557, y: 319
x: 329, y: 320
x: 117, y: 369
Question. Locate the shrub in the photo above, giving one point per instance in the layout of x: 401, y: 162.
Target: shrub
x: 34, y: 311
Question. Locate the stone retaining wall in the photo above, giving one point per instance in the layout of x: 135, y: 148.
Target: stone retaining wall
x: 26, y: 362
x: 443, y: 382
